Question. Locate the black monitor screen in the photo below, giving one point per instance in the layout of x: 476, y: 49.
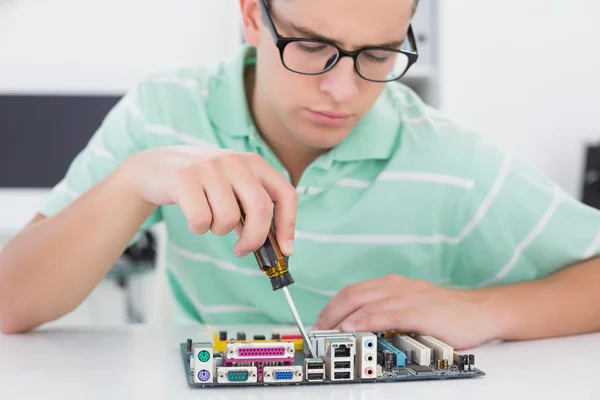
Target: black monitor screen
x: 41, y: 134
x: 591, y: 189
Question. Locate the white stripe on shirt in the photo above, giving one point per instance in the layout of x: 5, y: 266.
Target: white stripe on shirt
x: 488, y: 200
x: 214, y: 309
x: 417, y: 239
x: 165, y: 130
x: 182, y: 137
x: 101, y: 151
x: 527, y: 241
x: 373, y: 239
x: 426, y: 177
x: 594, y: 247
x: 173, y: 80
x: 228, y: 266
x: 62, y: 187
x: 223, y: 265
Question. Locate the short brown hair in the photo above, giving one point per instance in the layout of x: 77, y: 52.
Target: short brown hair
x: 268, y: 3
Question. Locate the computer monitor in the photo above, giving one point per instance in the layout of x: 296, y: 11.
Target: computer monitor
x: 591, y: 187
x: 39, y: 137
x: 41, y: 134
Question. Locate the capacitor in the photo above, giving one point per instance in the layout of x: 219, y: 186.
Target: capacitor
x: 388, y: 357
x: 275, y: 336
x: 189, y: 345
x: 259, y: 337
x: 432, y: 357
x: 223, y: 336
x: 445, y: 364
x: 439, y: 364
x: 241, y: 336
x: 409, y: 356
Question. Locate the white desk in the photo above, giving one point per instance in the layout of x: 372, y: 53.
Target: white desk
x: 138, y: 362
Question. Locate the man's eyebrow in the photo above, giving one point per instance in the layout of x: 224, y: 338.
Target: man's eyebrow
x: 308, y: 33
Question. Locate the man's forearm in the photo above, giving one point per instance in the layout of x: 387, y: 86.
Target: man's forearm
x: 50, y: 267
x: 565, y: 303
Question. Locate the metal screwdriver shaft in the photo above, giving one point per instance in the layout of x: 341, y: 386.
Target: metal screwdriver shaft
x: 274, y: 264
x: 288, y: 297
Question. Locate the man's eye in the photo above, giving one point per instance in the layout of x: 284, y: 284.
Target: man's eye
x: 380, y: 57
x: 311, y: 48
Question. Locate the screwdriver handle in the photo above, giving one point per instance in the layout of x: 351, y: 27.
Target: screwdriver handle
x: 270, y: 258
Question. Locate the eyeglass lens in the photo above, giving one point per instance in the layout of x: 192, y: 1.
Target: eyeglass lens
x: 315, y: 57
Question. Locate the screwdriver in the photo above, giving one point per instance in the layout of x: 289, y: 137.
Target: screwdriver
x: 275, y: 265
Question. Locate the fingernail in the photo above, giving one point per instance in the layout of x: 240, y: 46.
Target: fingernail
x: 289, y: 247
x: 239, y: 253
x: 349, y: 326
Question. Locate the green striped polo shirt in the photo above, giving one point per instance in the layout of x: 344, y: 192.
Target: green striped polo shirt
x: 408, y: 192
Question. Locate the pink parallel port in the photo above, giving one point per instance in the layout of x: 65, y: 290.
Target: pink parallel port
x: 231, y: 361
x: 262, y: 352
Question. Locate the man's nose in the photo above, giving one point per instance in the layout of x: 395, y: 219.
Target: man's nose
x: 341, y: 83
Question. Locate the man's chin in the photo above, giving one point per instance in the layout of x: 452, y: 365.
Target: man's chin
x: 324, y: 140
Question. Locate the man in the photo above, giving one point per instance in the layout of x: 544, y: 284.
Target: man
x: 396, y: 217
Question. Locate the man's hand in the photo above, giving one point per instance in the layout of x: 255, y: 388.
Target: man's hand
x: 459, y: 318
x: 207, y: 184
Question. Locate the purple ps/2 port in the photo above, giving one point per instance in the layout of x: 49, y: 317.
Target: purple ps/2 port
x: 203, y: 375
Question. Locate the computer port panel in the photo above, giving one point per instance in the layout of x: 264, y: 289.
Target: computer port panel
x: 345, y: 358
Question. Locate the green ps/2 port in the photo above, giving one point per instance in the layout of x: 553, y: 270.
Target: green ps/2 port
x: 204, y: 356
x: 237, y: 376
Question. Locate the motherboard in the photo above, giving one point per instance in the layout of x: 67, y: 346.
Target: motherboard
x: 341, y: 358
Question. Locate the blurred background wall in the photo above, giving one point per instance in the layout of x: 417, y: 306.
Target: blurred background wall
x: 524, y: 73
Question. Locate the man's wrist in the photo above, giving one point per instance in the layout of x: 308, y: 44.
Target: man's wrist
x: 500, y: 310
x: 122, y: 183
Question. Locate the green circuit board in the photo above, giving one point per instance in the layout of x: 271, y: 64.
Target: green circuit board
x: 343, y: 358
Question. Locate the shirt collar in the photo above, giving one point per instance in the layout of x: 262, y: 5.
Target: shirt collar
x: 375, y: 137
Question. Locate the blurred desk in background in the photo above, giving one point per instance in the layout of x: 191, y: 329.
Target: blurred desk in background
x: 120, y: 297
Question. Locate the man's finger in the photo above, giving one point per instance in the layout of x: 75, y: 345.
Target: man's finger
x: 347, y: 301
x: 376, y: 307
x: 400, y: 319
x: 285, y: 199
x: 194, y: 205
x: 259, y: 214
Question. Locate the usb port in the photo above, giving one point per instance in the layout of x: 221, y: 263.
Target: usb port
x: 314, y: 377
x: 314, y: 365
x: 341, y: 375
x: 341, y: 364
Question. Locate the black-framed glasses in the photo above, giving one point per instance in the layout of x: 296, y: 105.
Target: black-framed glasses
x: 315, y: 57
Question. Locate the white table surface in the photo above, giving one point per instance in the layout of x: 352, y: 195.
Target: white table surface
x: 142, y: 362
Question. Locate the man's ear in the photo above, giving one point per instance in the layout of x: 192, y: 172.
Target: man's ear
x: 251, y: 21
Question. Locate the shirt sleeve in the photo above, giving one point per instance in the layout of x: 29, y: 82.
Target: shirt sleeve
x: 518, y: 225
x: 120, y: 135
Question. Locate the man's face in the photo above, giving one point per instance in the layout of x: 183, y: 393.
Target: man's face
x: 321, y: 110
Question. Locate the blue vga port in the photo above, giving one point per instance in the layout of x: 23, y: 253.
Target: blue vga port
x: 288, y: 374
x: 283, y: 375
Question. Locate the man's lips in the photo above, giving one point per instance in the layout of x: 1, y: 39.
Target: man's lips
x: 331, y: 114
x: 328, y: 117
